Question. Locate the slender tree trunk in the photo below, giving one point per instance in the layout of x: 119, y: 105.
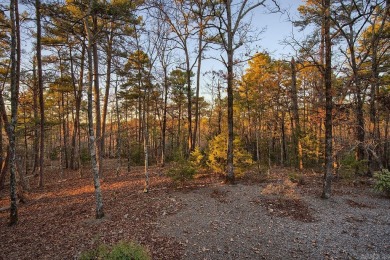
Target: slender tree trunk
x: 189, y: 106
x: 297, y: 126
x: 200, y: 52
x: 283, y: 152
x: 60, y: 141
x: 107, y: 90
x: 40, y: 89
x: 164, y: 119
x: 258, y: 129
x: 329, y: 104
x: 25, y: 172
x: 36, y: 119
x: 145, y: 115
x: 230, y: 178
x: 4, y: 169
x: 92, y: 140
x: 78, y: 91
x: 15, y: 39
x: 1, y: 146
x: 118, y: 140
x: 99, y: 155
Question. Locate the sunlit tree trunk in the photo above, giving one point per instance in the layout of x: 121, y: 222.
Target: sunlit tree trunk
x: 96, y: 92
x: 92, y: 140
x: 107, y: 90
x: 297, y: 126
x: 77, y: 91
x: 118, y: 133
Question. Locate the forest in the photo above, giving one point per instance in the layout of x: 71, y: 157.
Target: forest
x: 167, y: 94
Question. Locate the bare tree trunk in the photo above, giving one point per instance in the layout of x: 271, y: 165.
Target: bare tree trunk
x: 15, y: 41
x: 36, y: 119
x: 4, y: 169
x: 230, y: 178
x: 189, y: 105
x: 297, y: 126
x: 60, y: 136
x: 40, y: 89
x: 99, y: 155
x: 92, y: 140
x: 1, y: 146
x: 145, y: 115
x: 23, y: 174
x: 200, y: 52
x: 329, y: 104
x: 164, y: 122
x: 119, y: 141
x: 77, y: 92
x: 258, y: 129
x: 107, y: 90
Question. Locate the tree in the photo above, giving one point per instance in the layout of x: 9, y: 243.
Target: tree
x: 40, y: 90
x: 15, y: 70
x: 92, y: 141
x: 326, y: 193
x: 231, y: 36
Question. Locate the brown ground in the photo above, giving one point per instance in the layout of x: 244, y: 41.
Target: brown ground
x: 260, y: 218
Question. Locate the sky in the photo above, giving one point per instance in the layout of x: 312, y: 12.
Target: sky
x: 276, y: 28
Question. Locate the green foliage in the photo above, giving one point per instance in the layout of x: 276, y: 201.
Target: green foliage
x: 296, y: 177
x: 349, y: 166
x: 120, y: 251
x: 310, y: 146
x: 217, y: 157
x: 197, y: 158
x: 382, y: 181
x: 85, y: 156
x: 181, y: 171
x: 54, y: 153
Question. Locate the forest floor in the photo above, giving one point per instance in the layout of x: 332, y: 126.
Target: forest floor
x: 262, y: 217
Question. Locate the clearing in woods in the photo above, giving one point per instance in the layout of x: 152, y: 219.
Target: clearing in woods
x: 262, y: 217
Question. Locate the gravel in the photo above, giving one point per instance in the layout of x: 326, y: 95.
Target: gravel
x: 234, y: 222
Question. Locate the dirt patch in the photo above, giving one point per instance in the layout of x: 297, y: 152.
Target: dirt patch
x: 219, y: 195
x: 292, y: 208
x: 359, y: 205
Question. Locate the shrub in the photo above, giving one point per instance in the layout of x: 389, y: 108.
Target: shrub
x: 296, y: 178
x: 382, y: 181
x: 217, y: 157
x: 85, y: 156
x: 181, y: 171
x: 120, y: 251
x: 197, y: 158
x: 349, y: 166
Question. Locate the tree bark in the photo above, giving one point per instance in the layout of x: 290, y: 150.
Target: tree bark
x: 36, y: 119
x: 329, y: 104
x: 99, y: 155
x: 15, y: 41
x: 230, y: 178
x: 297, y: 126
x: 164, y: 122
x: 40, y: 89
x: 92, y: 141
x: 107, y: 90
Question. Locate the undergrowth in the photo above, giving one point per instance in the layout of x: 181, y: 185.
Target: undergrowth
x: 120, y: 251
